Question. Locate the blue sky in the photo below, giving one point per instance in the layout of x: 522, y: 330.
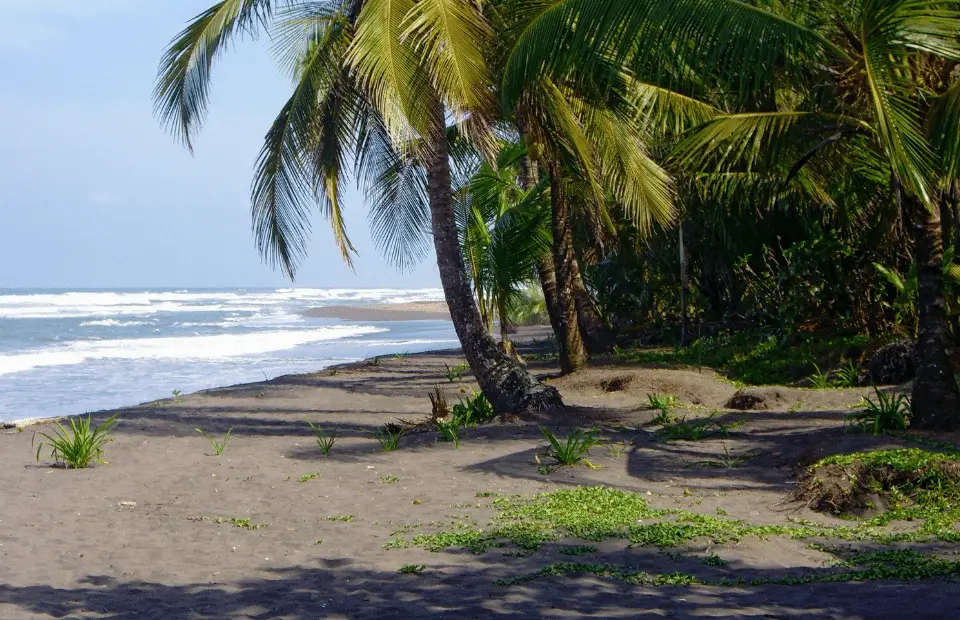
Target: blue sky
x: 93, y: 192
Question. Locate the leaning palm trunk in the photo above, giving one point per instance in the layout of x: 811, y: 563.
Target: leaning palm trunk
x: 936, y: 398
x: 508, y: 386
x: 573, y: 354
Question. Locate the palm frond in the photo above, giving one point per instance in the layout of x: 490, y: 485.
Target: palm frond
x: 452, y: 36
x: 897, y: 117
x: 390, y: 70
x: 643, y: 188
x: 944, y: 131
x: 928, y: 26
x: 663, y: 110
x: 296, y: 26
x: 753, y: 141
x: 304, y: 154
x: 396, y: 190
x: 718, y: 37
x: 182, y: 89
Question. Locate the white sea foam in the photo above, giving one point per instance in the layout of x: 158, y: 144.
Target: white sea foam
x: 113, y: 303
x: 112, y: 323
x: 176, y: 348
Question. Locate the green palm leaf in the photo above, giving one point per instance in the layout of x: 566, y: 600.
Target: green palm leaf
x: 897, y: 120
x: 718, y: 37
x: 396, y: 190
x: 390, y: 70
x: 451, y: 35
x: 183, y: 82
x: 318, y: 121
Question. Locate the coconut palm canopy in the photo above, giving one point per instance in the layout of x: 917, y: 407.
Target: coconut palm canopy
x: 819, y: 123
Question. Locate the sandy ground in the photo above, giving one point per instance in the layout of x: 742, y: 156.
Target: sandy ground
x: 409, y: 311
x: 140, y: 537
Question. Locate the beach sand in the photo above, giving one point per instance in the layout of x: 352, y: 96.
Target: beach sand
x: 409, y: 311
x: 148, y: 536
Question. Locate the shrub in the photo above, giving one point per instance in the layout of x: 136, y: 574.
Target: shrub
x: 663, y: 403
x: 475, y: 409
x: 890, y: 412
x: 449, y: 431
x: 572, y: 451
x: 847, y: 376
x: 456, y: 373
x: 819, y: 380
x: 81, y: 445
x: 693, y: 431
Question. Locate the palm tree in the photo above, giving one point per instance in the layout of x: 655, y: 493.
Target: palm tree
x: 376, y: 81
x: 874, y: 77
x: 590, y: 131
x: 597, y: 124
x: 504, y: 231
x: 889, y: 93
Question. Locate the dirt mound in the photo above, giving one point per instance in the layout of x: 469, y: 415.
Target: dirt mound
x: 863, y: 488
x: 747, y: 401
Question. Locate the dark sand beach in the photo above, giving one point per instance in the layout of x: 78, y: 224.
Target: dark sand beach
x: 150, y: 536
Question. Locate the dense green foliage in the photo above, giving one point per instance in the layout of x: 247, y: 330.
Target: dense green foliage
x: 790, y: 167
x: 757, y: 357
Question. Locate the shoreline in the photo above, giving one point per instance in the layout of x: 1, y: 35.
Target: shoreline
x: 524, y: 337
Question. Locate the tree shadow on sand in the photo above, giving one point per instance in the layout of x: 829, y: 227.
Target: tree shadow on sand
x: 338, y: 589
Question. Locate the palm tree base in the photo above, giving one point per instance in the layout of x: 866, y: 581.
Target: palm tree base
x: 935, y: 395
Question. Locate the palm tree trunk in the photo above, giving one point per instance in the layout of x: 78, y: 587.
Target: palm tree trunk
x: 596, y: 335
x: 936, y: 398
x: 546, y: 272
x: 505, y: 344
x: 508, y: 386
x: 684, y: 291
x: 573, y: 353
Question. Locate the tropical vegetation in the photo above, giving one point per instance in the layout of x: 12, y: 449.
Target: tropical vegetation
x: 659, y: 171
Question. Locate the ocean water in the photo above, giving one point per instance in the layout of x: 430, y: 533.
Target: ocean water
x: 69, y: 352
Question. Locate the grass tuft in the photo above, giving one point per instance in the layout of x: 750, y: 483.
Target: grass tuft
x: 388, y: 436
x: 889, y: 412
x: 325, y: 440
x: 218, y: 446
x: 80, y: 446
x: 574, y: 449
